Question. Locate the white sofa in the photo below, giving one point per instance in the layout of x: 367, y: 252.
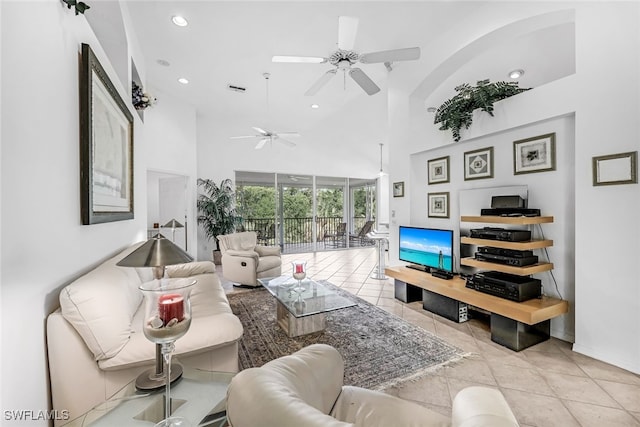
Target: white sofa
x: 95, y: 341
x: 306, y: 389
x: 244, y: 261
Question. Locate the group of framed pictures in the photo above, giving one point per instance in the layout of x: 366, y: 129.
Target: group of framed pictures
x: 530, y: 155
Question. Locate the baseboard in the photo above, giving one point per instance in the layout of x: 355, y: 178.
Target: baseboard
x: 621, y: 362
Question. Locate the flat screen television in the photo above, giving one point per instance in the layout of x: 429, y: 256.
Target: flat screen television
x: 427, y: 248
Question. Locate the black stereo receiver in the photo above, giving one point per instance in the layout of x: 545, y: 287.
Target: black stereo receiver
x: 505, y: 252
x: 510, y: 212
x: 493, y: 233
x: 508, y: 286
x: 508, y: 260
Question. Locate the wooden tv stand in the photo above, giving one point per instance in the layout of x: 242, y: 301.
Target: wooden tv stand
x: 516, y: 325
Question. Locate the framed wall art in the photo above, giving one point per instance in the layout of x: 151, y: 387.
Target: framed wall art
x: 438, y: 205
x: 398, y: 189
x: 438, y: 170
x: 106, y: 146
x: 615, y: 169
x: 478, y: 164
x: 537, y: 154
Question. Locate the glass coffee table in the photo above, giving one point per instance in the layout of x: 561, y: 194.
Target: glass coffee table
x: 199, y: 396
x: 302, y: 310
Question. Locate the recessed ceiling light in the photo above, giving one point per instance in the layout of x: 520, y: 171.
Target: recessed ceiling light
x: 163, y: 62
x: 314, y: 106
x: 431, y: 109
x: 179, y: 21
x: 183, y: 81
x: 516, y: 74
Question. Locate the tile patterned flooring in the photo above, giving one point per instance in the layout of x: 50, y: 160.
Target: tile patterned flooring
x: 545, y: 385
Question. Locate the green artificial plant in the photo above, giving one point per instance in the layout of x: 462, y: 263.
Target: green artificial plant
x: 457, y: 112
x: 217, y: 209
x: 79, y: 6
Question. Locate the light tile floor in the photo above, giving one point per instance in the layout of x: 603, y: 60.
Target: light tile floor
x: 545, y: 385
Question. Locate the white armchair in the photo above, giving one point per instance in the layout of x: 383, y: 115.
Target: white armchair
x: 306, y: 389
x: 244, y: 261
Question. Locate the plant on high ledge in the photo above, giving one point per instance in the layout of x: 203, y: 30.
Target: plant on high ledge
x: 217, y: 210
x: 141, y: 99
x: 457, y: 112
x: 80, y: 7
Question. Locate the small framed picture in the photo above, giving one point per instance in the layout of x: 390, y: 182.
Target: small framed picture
x: 438, y: 170
x: 615, y: 169
x: 398, y: 189
x: 478, y: 164
x: 537, y: 154
x: 438, y: 205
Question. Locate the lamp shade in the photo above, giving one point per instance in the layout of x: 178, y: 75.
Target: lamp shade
x: 156, y: 252
x: 173, y: 224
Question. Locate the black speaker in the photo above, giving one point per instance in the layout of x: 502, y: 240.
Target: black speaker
x: 507, y: 202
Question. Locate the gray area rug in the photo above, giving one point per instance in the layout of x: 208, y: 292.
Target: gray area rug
x: 379, y: 348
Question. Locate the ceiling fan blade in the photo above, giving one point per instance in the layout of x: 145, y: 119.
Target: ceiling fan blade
x: 261, y: 143
x: 287, y: 133
x: 347, y: 29
x: 243, y: 137
x: 263, y: 132
x: 394, y: 55
x: 364, y: 81
x: 299, y: 59
x: 286, y: 142
x: 320, y: 82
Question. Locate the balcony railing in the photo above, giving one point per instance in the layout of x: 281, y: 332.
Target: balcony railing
x: 297, y: 232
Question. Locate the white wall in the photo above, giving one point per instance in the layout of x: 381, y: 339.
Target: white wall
x: 603, y: 96
x: 607, y: 227
x: 44, y: 245
x: 170, y: 129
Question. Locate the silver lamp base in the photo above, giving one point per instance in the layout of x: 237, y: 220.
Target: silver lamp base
x: 149, y: 380
x: 155, y: 379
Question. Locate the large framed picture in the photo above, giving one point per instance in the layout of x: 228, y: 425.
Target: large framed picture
x: 478, y: 164
x: 438, y: 205
x: 106, y: 146
x: 615, y: 169
x: 438, y: 170
x: 537, y: 154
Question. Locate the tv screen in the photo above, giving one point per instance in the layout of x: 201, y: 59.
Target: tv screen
x: 429, y: 247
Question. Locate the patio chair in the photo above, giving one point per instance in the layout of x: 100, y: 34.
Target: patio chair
x: 265, y: 236
x: 361, y: 237
x: 337, y: 239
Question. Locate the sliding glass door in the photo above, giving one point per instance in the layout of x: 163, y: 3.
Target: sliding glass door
x: 331, y: 218
x: 304, y: 213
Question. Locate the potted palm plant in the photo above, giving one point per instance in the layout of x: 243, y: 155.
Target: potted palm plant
x: 217, y: 212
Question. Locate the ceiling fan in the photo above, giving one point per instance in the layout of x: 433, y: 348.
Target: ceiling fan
x: 267, y: 135
x: 345, y: 57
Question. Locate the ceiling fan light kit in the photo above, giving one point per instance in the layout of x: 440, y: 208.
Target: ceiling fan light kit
x: 345, y: 57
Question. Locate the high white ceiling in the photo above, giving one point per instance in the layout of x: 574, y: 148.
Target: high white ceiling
x: 233, y: 42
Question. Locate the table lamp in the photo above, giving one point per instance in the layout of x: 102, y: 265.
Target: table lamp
x: 173, y: 224
x: 156, y: 253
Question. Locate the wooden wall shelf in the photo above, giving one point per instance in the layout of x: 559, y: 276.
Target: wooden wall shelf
x: 513, y: 220
x: 519, y: 246
x: 519, y: 271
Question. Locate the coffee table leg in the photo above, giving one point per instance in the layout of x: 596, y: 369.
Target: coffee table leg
x: 296, y: 326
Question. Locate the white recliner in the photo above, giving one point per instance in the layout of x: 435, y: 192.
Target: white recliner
x: 306, y: 389
x: 244, y: 261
